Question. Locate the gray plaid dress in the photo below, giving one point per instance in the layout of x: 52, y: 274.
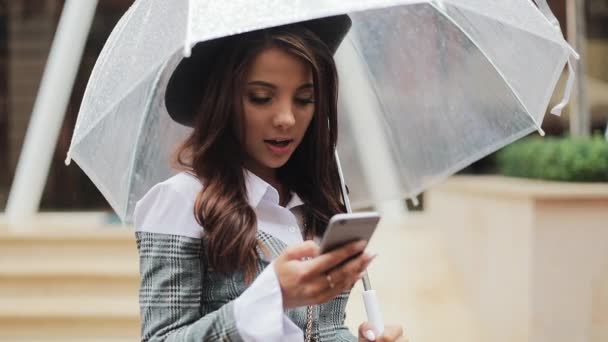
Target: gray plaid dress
x: 183, y: 299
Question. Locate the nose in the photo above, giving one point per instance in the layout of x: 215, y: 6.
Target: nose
x: 284, y: 117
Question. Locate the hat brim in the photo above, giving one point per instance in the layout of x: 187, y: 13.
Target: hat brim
x: 187, y: 82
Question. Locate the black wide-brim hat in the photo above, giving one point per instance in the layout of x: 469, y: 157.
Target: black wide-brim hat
x: 183, y: 94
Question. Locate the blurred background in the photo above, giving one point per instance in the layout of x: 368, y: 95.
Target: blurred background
x: 515, y: 248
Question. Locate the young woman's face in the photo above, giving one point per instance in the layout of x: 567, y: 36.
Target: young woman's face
x: 278, y: 104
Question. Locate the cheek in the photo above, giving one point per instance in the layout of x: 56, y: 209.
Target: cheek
x: 252, y: 126
x: 306, y: 118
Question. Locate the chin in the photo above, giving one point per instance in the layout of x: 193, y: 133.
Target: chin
x: 277, y: 163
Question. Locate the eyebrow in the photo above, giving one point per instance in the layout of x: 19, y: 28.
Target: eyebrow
x: 272, y: 86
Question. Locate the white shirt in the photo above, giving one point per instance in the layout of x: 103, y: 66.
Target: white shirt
x: 263, y: 297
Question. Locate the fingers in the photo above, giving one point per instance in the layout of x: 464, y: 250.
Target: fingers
x: 303, y: 250
x: 306, y: 283
x: 391, y: 333
x: 342, y: 278
x: 327, y: 261
x: 319, y: 290
x: 366, y: 332
x: 347, y: 274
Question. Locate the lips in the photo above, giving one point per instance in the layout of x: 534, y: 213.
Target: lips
x: 278, y: 142
x: 279, y: 146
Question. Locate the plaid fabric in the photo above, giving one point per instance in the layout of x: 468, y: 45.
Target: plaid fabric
x: 183, y: 299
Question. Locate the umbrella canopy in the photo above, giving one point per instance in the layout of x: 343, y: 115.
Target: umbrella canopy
x: 426, y: 87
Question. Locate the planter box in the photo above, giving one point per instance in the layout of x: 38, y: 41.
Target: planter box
x: 532, y: 255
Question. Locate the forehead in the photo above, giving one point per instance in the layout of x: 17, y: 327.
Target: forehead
x: 279, y: 67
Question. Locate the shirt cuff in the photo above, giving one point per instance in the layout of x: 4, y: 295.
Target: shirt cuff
x: 258, y: 311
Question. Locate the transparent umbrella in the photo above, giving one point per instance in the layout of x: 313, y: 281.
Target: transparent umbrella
x: 427, y: 87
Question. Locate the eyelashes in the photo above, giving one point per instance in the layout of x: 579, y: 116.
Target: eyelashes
x: 259, y: 100
x: 263, y: 100
x: 306, y: 101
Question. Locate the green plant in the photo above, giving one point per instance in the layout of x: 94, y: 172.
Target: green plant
x: 561, y: 159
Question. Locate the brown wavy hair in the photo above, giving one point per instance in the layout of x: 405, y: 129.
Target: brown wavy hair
x: 214, y: 152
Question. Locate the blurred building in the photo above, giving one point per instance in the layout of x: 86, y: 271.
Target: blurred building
x: 27, y: 28
x: 596, y: 65
x: 597, y: 59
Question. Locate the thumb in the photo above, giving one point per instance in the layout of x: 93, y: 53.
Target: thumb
x: 367, y: 332
x: 306, y: 249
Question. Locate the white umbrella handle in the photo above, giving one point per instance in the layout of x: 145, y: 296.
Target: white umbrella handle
x: 374, y: 316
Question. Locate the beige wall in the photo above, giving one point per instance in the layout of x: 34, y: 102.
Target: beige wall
x: 532, y: 255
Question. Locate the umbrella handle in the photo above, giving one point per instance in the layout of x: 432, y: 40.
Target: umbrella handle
x: 374, y: 316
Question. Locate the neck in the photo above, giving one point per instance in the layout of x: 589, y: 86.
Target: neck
x: 270, y: 177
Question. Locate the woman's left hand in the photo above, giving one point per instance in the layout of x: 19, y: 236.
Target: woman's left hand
x: 392, y: 333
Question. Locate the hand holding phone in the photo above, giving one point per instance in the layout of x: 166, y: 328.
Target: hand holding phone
x: 343, y: 228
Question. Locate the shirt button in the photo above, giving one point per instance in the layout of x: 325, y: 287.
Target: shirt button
x: 292, y: 229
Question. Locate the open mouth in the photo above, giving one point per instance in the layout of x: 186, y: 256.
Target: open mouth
x: 278, y: 143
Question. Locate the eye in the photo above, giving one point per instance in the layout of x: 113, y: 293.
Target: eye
x: 305, y: 101
x: 259, y: 99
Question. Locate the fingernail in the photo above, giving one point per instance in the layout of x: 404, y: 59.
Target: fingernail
x: 372, y: 256
x: 370, y: 335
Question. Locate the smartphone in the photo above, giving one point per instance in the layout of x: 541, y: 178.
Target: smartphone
x: 345, y: 228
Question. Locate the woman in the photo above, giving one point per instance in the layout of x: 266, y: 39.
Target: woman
x: 222, y: 250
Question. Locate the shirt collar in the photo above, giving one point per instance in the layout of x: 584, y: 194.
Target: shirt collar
x: 258, y: 190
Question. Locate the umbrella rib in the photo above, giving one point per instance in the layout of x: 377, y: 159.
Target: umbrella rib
x: 107, y: 194
x: 471, y: 158
x: 126, y: 94
x: 187, y: 46
x: 466, y: 34
x: 381, y: 105
x: 511, y: 24
x: 556, y: 72
x: 114, y: 33
x: 113, y: 37
x: 139, y: 135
